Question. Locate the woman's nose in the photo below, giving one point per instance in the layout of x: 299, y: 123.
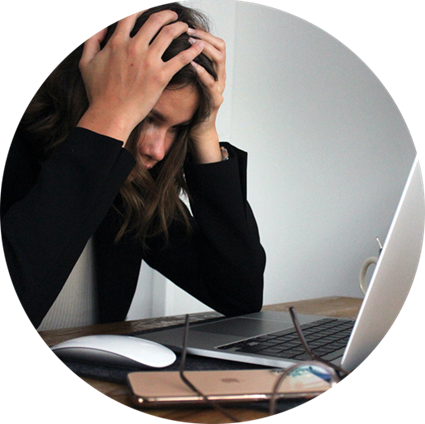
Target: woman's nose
x: 154, y: 144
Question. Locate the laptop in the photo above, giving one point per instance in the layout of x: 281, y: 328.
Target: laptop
x: 268, y: 338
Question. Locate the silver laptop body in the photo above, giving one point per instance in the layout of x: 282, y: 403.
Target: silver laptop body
x: 387, y: 292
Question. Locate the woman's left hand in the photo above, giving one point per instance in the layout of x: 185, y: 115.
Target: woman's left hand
x: 207, y: 148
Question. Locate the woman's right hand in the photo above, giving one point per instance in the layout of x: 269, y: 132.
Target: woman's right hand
x: 125, y: 79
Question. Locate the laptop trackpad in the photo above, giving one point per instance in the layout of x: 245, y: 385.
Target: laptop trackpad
x: 242, y: 327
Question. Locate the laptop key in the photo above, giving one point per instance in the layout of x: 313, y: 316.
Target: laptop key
x: 334, y: 355
x: 302, y: 357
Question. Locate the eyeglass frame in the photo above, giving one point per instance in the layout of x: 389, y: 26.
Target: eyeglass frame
x: 336, y: 372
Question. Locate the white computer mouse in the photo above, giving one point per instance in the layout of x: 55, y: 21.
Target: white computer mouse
x: 115, y: 350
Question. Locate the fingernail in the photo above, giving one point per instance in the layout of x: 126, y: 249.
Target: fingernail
x: 192, y: 40
x: 191, y: 31
x: 194, y: 64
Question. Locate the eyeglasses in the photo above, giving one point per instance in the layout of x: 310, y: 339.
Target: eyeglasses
x: 328, y: 371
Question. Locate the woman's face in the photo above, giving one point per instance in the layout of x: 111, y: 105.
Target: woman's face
x: 174, y: 110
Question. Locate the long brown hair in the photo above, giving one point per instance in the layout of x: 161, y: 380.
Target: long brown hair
x: 151, y: 199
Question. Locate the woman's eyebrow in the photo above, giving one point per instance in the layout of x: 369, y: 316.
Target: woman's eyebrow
x: 157, y: 115
x: 160, y: 117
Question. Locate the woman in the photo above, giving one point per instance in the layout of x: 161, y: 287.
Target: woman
x: 118, y: 131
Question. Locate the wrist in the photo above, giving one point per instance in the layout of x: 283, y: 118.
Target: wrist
x: 207, y: 148
x: 108, y: 124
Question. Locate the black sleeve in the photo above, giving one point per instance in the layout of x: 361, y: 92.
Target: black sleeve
x: 49, y: 212
x: 221, y: 262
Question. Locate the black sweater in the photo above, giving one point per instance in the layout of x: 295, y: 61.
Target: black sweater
x: 50, y: 211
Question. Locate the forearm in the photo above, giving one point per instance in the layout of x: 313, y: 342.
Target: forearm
x: 221, y: 262
x: 45, y: 231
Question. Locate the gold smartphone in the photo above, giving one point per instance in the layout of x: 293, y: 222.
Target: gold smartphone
x: 156, y: 389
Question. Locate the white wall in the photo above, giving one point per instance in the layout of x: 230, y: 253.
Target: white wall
x: 328, y: 149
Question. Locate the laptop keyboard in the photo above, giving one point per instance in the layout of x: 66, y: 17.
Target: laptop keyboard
x: 327, y: 338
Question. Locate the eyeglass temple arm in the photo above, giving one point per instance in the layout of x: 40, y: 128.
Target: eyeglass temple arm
x: 300, y: 333
x: 183, y: 359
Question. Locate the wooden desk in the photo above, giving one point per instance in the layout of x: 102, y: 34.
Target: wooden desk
x: 343, y: 307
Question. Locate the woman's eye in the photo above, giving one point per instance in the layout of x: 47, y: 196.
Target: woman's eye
x: 174, y: 130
